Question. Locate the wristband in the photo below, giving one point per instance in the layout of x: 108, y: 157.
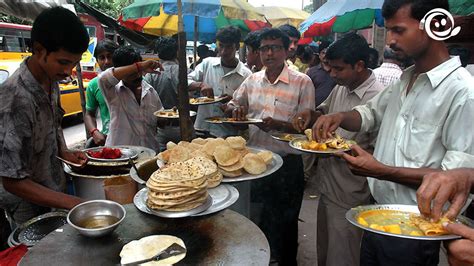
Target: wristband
x: 138, y: 67
x: 92, y: 131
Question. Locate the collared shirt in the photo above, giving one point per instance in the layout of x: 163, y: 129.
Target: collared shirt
x: 337, y: 182
x: 211, y: 72
x: 166, y: 83
x: 29, y: 122
x: 95, y: 100
x: 431, y: 126
x: 291, y: 93
x: 322, y: 81
x: 130, y: 123
x: 387, y: 73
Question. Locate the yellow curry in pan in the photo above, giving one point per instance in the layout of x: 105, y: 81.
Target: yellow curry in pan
x: 401, y: 223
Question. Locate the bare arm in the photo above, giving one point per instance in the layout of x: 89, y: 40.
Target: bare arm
x: 38, y: 194
x: 90, y: 120
x: 326, y: 124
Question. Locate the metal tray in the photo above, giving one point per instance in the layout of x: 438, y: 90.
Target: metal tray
x: 223, y: 196
x: 223, y: 120
x: 296, y: 144
x: 174, y: 116
x: 140, y: 202
x: 274, y: 165
x: 352, y: 214
x: 32, y: 231
x: 216, y: 100
x: 280, y: 136
x: 127, y: 154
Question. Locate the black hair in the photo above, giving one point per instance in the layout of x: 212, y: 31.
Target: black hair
x: 105, y: 45
x: 373, y: 61
x: 253, y: 40
x: 323, y: 45
x: 167, y: 48
x: 125, y: 55
x: 273, y: 34
x: 463, y: 53
x: 351, y: 48
x: 290, y: 30
x: 202, y: 50
x: 419, y: 8
x: 229, y: 34
x: 58, y: 28
x: 388, y: 53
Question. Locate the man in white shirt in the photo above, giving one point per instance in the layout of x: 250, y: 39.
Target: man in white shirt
x: 131, y: 100
x: 424, y: 125
x: 218, y: 76
x: 275, y: 95
x: 338, y: 241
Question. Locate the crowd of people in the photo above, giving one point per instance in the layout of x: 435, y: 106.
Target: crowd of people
x: 410, y: 117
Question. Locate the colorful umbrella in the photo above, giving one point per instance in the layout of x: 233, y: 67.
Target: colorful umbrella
x: 342, y: 16
x: 461, y: 7
x: 278, y: 15
x: 158, y: 17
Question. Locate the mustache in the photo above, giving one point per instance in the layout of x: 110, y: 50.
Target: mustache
x: 395, y: 48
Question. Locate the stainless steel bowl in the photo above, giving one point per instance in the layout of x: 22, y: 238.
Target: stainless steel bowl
x: 96, y: 218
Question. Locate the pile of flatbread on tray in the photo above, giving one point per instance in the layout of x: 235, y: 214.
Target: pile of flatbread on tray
x: 231, y: 155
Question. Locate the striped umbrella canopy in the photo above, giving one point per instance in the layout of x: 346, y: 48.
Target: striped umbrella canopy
x: 159, y: 17
x: 278, y: 15
x: 342, y: 16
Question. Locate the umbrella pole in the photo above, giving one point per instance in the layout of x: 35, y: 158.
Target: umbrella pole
x: 185, y: 123
x: 81, y: 92
x: 196, y: 23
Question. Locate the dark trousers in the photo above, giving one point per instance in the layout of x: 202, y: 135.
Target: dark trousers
x: 281, y: 194
x: 383, y: 250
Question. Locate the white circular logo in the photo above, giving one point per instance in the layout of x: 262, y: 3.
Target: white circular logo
x: 436, y: 33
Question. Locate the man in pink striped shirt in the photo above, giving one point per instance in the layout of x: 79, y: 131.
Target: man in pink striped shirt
x: 275, y: 95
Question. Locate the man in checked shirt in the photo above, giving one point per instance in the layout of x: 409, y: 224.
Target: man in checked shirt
x: 275, y: 95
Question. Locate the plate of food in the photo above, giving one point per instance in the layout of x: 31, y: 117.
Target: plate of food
x: 206, y: 100
x: 402, y: 221
x: 286, y: 137
x: 171, y: 113
x: 230, y: 120
x: 329, y: 146
x: 110, y: 154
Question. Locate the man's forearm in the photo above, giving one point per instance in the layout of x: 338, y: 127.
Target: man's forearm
x: 62, y: 147
x: 351, y: 121
x: 40, y: 195
x: 90, y: 121
x: 407, y: 176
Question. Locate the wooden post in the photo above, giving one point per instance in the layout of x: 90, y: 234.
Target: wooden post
x: 185, y: 122
x: 82, y: 93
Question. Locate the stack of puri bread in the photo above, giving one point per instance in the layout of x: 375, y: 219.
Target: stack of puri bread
x: 179, y: 187
x: 231, y: 155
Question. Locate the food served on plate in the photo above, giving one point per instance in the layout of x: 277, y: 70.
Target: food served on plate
x: 105, y: 153
x: 169, y: 112
x: 203, y: 100
x: 401, y: 223
x: 231, y: 155
x: 336, y: 143
x: 148, y: 247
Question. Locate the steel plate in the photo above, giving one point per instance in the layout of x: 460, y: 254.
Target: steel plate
x: 223, y: 196
x: 281, y: 136
x: 221, y: 120
x: 140, y: 202
x: 174, y: 116
x: 352, y: 214
x: 296, y: 144
x: 126, y: 154
x: 274, y: 165
x: 32, y: 231
x: 216, y: 100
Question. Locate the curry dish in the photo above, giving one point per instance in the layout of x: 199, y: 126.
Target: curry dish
x: 401, y: 223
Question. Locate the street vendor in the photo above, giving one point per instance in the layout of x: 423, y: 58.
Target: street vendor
x: 30, y: 119
x: 131, y: 100
x: 424, y: 125
x: 275, y: 95
x: 218, y: 76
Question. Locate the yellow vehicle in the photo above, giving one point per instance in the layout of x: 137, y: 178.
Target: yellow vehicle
x: 15, y: 45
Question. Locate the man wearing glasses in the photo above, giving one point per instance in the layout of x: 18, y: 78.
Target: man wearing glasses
x: 275, y: 95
